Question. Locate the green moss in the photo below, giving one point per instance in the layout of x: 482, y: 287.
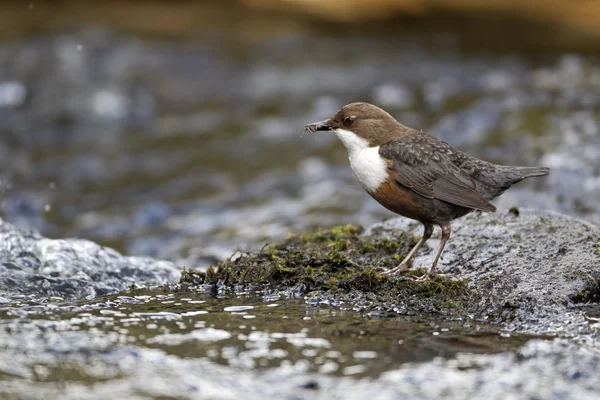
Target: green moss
x: 335, y: 260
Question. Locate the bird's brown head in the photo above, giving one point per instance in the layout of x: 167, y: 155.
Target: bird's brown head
x: 365, y: 120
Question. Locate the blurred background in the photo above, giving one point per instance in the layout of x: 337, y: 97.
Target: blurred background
x: 174, y: 129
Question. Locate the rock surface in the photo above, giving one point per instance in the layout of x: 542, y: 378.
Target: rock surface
x: 31, y: 264
x: 529, y: 267
x: 557, y: 369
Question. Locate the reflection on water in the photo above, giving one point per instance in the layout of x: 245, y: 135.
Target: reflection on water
x: 244, y: 332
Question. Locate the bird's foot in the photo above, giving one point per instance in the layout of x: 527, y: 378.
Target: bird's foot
x: 432, y: 275
x: 402, y: 268
x: 423, y: 278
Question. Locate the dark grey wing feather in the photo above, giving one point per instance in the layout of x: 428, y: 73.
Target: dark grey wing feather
x: 424, y: 164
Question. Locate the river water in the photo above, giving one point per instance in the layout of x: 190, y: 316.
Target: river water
x: 52, y: 344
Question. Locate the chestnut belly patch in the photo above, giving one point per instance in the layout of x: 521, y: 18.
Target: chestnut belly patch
x: 402, y: 200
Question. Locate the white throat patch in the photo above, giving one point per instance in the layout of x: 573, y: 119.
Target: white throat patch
x: 367, y: 164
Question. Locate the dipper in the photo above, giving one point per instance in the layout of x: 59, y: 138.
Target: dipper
x: 417, y: 175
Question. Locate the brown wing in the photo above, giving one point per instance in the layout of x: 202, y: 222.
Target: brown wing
x: 424, y: 164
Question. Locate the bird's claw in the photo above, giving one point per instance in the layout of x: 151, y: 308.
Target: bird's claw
x: 400, y: 269
x: 423, y: 278
x: 429, y: 276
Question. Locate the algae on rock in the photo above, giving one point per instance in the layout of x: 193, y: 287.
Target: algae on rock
x: 338, y: 260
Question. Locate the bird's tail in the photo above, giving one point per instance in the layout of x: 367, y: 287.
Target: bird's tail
x: 528, y: 172
x: 512, y: 174
x: 506, y: 176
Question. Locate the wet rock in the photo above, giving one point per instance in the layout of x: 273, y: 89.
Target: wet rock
x: 526, y: 270
x: 540, y: 369
x: 336, y: 265
x: 529, y: 270
x: 31, y: 264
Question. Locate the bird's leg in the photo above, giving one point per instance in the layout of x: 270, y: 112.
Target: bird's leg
x: 404, y: 265
x: 446, y: 230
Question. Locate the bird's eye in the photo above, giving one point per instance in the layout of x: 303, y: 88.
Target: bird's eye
x: 349, y: 120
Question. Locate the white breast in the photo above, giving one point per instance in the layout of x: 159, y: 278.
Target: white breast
x: 367, y: 164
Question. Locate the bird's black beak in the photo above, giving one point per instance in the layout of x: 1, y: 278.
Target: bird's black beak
x: 318, y: 126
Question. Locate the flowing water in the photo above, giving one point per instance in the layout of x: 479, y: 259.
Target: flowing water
x: 49, y: 343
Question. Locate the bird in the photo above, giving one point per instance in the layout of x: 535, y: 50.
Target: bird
x: 416, y: 175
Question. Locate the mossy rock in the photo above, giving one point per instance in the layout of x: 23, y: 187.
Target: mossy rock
x: 338, y: 260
